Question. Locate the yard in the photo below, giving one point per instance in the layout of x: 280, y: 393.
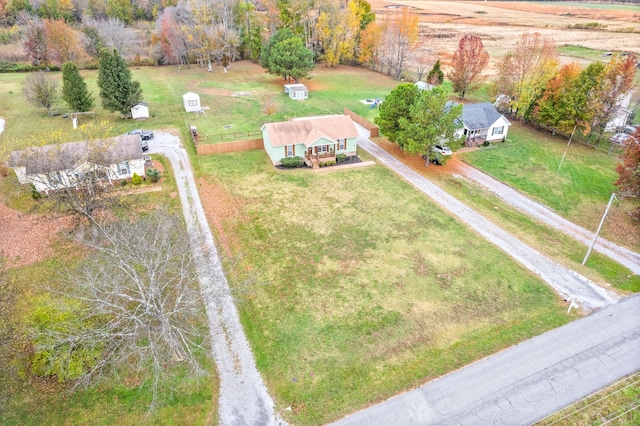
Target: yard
x: 353, y: 287
x: 579, y: 191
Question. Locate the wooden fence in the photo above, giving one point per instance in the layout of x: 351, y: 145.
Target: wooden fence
x: 363, y: 122
x: 219, y: 148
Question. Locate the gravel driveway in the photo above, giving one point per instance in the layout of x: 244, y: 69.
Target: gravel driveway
x: 243, y: 396
x: 567, y: 283
x: 623, y: 256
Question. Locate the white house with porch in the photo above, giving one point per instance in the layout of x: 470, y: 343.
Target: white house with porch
x: 316, y: 139
x: 482, y: 122
x: 53, y: 167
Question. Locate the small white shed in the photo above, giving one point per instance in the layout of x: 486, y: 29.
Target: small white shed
x: 424, y: 86
x: 296, y: 91
x: 140, y: 111
x: 191, y: 102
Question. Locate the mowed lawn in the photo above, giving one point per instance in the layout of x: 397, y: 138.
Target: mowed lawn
x: 579, y: 191
x: 352, y: 286
x: 233, y: 102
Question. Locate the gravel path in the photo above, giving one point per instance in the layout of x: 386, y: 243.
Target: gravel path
x: 568, y: 284
x: 623, y: 256
x: 243, y: 396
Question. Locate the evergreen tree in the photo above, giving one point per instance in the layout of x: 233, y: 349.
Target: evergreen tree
x: 74, y: 89
x: 285, y: 55
x: 117, y: 90
x: 396, y: 106
x: 435, y: 76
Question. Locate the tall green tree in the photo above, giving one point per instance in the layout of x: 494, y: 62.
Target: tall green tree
x: 117, y: 89
x: 74, y: 89
x: 435, y: 76
x: 396, y: 106
x: 433, y: 120
x: 285, y: 55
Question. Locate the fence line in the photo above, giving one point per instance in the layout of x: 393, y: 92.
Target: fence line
x: 363, y: 122
x: 219, y: 148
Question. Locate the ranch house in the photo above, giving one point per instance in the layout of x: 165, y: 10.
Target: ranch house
x: 314, y: 139
x: 52, y: 167
x: 482, y: 122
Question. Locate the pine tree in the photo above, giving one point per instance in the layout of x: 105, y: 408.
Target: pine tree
x: 74, y: 89
x: 435, y: 76
x: 117, y: 90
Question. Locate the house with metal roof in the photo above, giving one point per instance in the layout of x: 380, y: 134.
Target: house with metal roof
x: 317, y: 139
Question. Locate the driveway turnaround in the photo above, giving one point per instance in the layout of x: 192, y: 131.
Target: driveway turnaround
x: 623, y: 256
x: 526, y: 382
x: 243, y: 397
x: 567, y: 283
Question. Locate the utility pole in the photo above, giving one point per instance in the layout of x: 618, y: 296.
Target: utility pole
x: 567, y: 149
x: 595, y: 237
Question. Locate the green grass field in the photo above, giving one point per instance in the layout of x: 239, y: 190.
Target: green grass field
x: 352, y: 286
x: 579, y: 191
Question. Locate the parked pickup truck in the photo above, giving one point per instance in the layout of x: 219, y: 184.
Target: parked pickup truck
x: 145, y: 135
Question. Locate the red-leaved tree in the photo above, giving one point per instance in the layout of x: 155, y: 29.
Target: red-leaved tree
x: 467, y: 64
x: 629, y: 170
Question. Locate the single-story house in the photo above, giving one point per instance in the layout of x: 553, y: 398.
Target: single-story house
x: 51, y: 167
x: 313, y: 139
x: 191, y: 102
x: 482, y: 122
x: 296, y: 92
x: 140, y: 111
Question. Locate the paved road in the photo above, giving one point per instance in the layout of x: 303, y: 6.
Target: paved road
x: 527, y: 382
x: 243, y: 397
x: 567, y: 283
x: 544, y: 214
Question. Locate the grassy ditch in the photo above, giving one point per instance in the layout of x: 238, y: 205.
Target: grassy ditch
x: 352, y: 286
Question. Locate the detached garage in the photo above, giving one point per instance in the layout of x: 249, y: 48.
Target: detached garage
x: 191, y: 102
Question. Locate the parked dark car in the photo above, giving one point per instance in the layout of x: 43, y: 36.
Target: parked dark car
x: 144, y: 145
x: 145, y: 135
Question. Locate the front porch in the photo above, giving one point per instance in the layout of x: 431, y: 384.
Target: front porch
x: 319, y: 154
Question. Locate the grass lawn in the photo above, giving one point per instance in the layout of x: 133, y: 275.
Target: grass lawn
x: 235, y: 99
x: 578, y: 192
x: 352, y: 286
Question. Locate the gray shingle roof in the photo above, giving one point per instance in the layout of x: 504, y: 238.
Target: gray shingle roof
x: 479, y: 116
x: 67, y: 156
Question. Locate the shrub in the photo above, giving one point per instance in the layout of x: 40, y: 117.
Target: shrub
x: 34, y: 192
x: 292, y: 162
x: 136, y: 179
x: 123, y: 182
x: 485, y: 143
x: 341, y: 157
x: 153, y: 175
x: 4, y: 170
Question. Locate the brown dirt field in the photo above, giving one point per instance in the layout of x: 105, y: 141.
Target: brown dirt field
x: 222, y: 209
x: 28, y: 238
x: 500, y: 25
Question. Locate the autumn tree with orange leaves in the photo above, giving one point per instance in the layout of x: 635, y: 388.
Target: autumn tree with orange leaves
x: 468, y: 62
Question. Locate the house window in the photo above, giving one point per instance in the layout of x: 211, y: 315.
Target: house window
x: 192, y: 103
x: 55, y: 178
x: 289, y: 150
x: 322, y: 148
x: 342, y: 143
x: 497, y: 130
x: 123, y: 168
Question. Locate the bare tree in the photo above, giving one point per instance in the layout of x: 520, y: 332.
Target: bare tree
x: 422, y: 61
x: 400, y: 40
x: 114, y: 33
x: 137, y: 303
x: 41, y: 91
